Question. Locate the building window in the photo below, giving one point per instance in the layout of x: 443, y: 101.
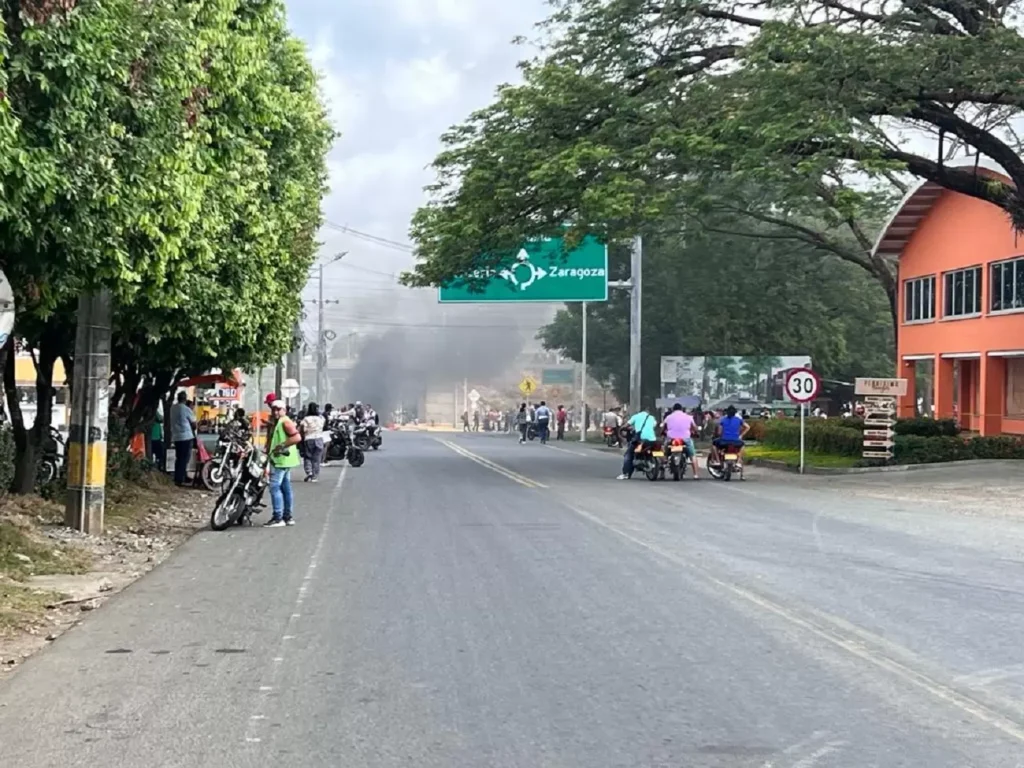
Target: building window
x: 919, y: 299
x: 962, y: 292
x: 1007, y: 285
x: 1015, y: 387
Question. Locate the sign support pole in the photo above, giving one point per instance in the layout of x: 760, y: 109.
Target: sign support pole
x: 803, y: 415
x: 583, y: 381
x: 635, y: 314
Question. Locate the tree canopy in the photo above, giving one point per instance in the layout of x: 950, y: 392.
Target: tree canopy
x: 172, y: 152
x: 808, y: 117
x: 714, y: 295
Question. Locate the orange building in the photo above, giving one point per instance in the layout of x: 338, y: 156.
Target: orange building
x: 961, y: 306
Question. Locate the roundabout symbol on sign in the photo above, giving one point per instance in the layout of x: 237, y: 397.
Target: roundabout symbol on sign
x: 523, y: 260
x: 802, y: 385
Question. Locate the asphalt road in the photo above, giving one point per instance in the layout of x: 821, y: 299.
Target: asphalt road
x: 463, y: 601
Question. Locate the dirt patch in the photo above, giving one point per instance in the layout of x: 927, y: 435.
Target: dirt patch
x: 51, y: 575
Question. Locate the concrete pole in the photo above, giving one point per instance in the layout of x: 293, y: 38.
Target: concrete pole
x: 321, y: 344
x: 635, y: 316
x: 90, y: 406
x: 583, y: 381
x: 278, y: 378
x: 293, y: 362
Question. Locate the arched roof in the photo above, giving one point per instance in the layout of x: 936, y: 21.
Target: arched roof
x: 916, y: 204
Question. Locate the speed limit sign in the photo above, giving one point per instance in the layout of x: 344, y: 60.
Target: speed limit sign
x: 802, y: 385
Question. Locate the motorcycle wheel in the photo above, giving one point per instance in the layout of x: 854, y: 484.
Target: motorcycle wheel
x: 356, y: 457
x: 206, y: 477
x: 715, y: 470
x: 227, y: 512
x: 362, y: 444
x: 727, y: 472
x: 335, y: 452
x: 677, y: 471
x: 652, y: 471
x: 47, y: 471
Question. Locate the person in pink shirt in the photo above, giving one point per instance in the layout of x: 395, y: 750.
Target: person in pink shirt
x: 679, y: 425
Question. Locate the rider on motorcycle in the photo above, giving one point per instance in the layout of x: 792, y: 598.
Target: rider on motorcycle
x: 642, y: 426
x: 731, y: 430
x: 679, y: 425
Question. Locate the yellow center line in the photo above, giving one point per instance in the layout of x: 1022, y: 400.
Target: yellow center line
x: 504, y: 471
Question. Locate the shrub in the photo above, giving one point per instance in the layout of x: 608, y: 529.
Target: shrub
x: 924, y: 427
x: 821, y: 436
x: 915, y: 449
x: 757, y: 427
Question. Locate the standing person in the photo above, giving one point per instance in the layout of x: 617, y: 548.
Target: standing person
x: 543, y: 414
x: 156, y: 439
x: 560, y: 419
x: 312, y: 429
x: 522, y: 422
x: 183, y: 435
x: 476, y: 421
x: 642, y: 424
x: 465, y: 421
x: 284, y: 457
x: 679, y: 425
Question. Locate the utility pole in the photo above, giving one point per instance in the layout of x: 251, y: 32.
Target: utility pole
x: 635, y: 319
x: 90, y: 406
x: 293, y: 362
x: 321, y: 343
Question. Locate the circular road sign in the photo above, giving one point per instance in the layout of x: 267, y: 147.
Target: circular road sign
x: 6, y: 309
x: 290, y: 388
x: 802, y: 385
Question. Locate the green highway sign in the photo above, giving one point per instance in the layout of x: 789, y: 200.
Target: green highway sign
x: 541, y: 271
x: 558, y: 376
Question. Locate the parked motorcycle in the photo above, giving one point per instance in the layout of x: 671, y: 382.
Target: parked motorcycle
x: 51, y: 462
x: 342, y: 446
x: 725, y: 462
x: 244, y: 485
x: 230, y: 451
x: 367, y: 437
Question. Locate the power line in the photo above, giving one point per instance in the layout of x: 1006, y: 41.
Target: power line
x: 377, y: 239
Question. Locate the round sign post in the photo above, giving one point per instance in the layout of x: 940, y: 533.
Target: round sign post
x: 290, y: 388
x: 802, y: 385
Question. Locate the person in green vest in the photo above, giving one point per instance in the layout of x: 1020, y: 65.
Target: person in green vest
x: 284, y: 457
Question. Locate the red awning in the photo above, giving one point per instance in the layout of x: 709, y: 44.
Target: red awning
x: 233, y: 379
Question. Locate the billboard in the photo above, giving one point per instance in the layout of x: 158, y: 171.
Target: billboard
x: 757, y: 377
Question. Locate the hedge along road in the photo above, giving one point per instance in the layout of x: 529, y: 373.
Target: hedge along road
x: 462, y: 600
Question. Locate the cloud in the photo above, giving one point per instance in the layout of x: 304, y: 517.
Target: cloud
x: 396, y: 74
x: 419, y: 84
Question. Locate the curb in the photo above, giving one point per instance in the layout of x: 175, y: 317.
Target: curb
x: 784, y: 467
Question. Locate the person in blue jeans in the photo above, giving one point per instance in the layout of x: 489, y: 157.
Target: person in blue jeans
x: 284, y: 457
x: 543, y: 414
x: 643, y: 426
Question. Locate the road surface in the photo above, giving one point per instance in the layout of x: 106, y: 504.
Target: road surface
x: 464, y: 601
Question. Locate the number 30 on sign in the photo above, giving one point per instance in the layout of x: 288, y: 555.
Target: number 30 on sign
x: 802, y: 385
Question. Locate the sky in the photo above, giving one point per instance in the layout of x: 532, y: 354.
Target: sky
x: 396, y: 74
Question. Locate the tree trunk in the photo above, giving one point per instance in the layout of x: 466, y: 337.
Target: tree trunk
x: 24, y: 452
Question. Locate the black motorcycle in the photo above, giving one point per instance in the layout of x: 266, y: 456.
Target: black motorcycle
x: 725, y: 462
x: 51, y: 461
x: 243, y: 487
x: 231, y: 449
x: 342, y: 446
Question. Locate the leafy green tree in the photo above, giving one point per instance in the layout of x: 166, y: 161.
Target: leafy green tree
x: 171, y: 151
x: 716, y: 295
x: 790, y: 115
